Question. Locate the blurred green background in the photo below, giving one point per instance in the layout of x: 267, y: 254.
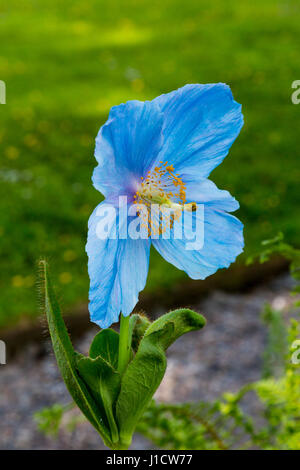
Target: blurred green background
x: 66, y: 63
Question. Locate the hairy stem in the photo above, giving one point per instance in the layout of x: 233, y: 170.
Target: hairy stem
x: 124, y: 344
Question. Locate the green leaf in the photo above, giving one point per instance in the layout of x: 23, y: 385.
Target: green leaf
x: 145, y: 372
x: 183, y: 320
x: 106, y: 345
x: 89, y: 372
x: 104, y: 382
x: 137, y: 326
x: 139, y: 382
x: 110, y: 385
x: 66, y: 359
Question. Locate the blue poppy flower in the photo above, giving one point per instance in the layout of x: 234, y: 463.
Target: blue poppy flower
x: 162, y: 151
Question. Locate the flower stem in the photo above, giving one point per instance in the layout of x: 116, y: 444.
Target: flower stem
x: 124, y: 344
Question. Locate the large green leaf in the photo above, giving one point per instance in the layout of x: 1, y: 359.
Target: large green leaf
x: 145, y: 372
x: 66, y: 359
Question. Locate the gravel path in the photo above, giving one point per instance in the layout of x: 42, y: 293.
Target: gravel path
x: 201, y: 365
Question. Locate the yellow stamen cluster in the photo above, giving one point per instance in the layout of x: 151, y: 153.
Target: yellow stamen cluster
x: 164, y: 188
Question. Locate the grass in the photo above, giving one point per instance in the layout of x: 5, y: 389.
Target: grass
x: 66, y: 64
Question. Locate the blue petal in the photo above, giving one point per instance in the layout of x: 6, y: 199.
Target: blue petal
x: 126, y: 147
x: 207, y: 192
x: 223, y: 242
x: 117, y: 268
x: 201, y: 123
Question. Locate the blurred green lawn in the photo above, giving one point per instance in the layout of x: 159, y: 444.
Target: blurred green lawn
x: 66, y: 63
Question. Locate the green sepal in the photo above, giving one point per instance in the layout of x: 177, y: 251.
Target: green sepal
x: 145, y: 372
x: 66, y: 360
